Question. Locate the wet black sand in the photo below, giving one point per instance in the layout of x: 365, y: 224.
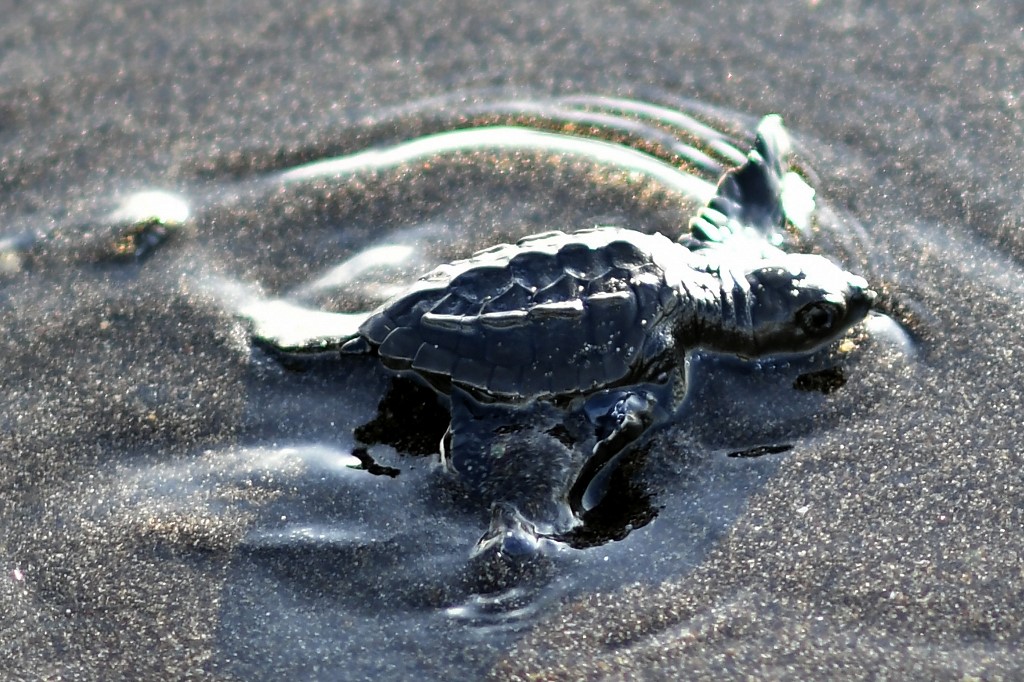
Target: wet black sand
x: 889, y: 543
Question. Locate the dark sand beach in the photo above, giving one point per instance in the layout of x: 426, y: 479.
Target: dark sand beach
x: 175, y: 504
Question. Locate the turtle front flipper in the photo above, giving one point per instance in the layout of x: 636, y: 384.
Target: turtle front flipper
x: 754, y: 200
x: 520, y: 460
x: 510, y: 535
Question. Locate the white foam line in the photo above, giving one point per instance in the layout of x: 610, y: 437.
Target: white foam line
x: 347, y: 271
x: 504, y: 138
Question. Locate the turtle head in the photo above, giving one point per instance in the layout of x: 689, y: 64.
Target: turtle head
x: 800, y: 301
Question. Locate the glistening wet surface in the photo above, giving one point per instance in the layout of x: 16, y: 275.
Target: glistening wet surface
x: 177, y: 502
x: 338, y: 546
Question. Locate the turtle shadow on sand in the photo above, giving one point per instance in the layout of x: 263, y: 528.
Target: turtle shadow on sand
x: 558, y: 355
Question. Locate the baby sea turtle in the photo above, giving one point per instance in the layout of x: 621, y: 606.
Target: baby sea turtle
x: 604, y: 317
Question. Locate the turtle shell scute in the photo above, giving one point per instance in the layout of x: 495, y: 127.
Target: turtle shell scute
x: 553, y: 314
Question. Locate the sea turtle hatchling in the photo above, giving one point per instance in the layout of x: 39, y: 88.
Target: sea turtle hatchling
x: 608, y: 312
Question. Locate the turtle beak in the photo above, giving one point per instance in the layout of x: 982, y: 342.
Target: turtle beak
x: 861, y: 298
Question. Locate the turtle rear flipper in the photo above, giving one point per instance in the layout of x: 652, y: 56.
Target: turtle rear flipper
x: 755, y: 199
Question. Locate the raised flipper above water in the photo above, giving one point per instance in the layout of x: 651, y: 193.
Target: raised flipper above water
x: 754, y: 201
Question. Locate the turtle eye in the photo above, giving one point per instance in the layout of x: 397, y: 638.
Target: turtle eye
x: 818, y: 319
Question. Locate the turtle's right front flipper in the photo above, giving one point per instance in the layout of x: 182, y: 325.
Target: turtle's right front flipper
x: 521, y: 460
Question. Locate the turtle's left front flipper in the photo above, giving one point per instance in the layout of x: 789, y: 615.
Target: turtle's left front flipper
x: 754, y: 201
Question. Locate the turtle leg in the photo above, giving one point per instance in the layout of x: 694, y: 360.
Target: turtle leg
x: 518, y: 461
x: 628, y: 418
x: 510, y: 535
x: 751, y: 201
